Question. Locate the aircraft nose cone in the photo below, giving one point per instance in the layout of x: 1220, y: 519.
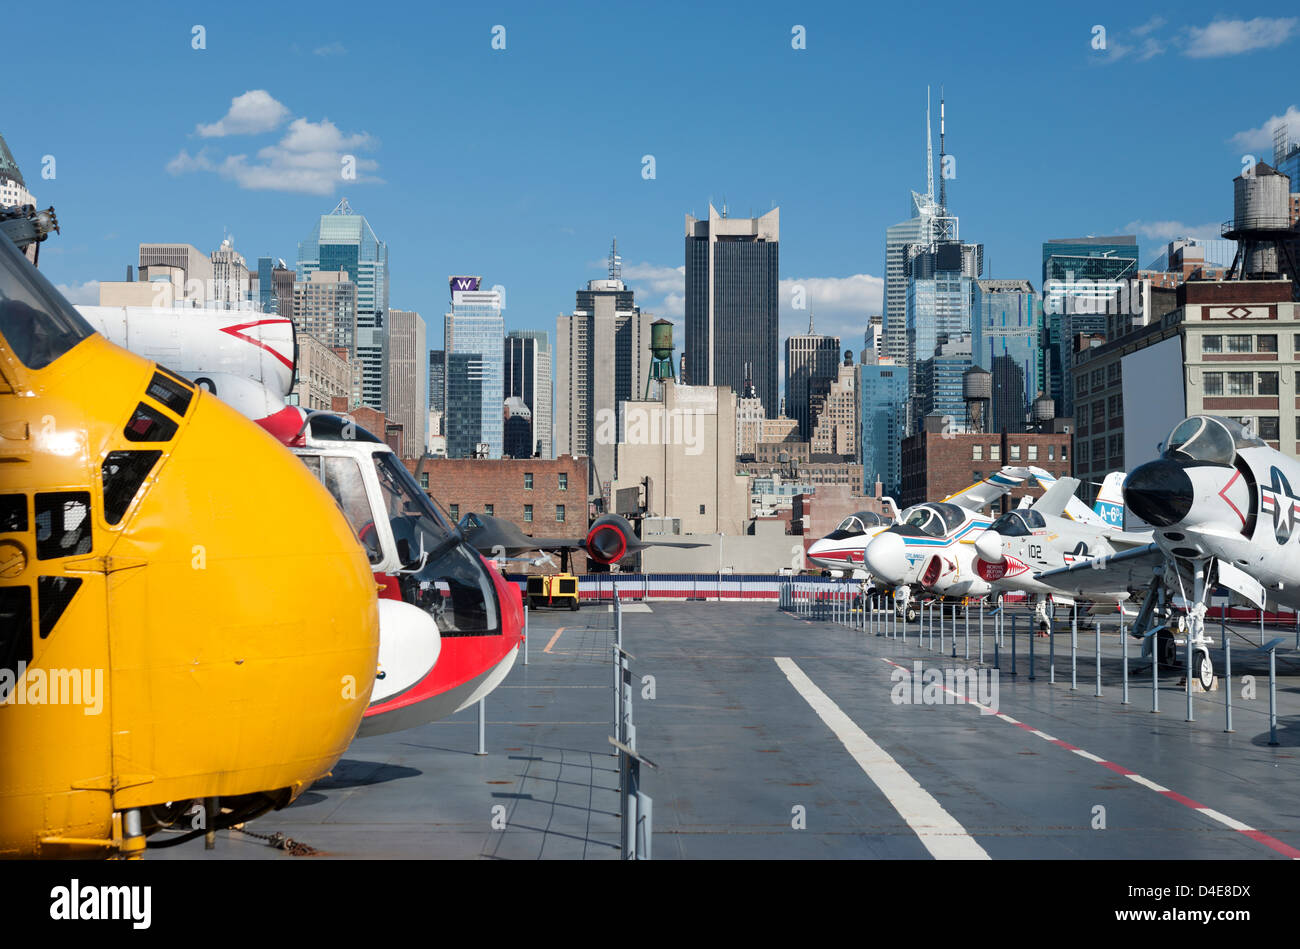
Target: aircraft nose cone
x: 885, y: 557
x: 989, y: 546
x: 1159, y: 492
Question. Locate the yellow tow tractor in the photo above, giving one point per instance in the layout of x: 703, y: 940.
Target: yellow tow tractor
x: 556, y: 590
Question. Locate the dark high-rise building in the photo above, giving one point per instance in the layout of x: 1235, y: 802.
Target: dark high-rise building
x: 464, y: 425
x: 528, y: 377
x: 811, y: 365
x: 438, y: 380
x: 732, y: 273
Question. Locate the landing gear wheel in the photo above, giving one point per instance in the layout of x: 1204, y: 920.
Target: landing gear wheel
x: 1202, y: 668
x: 910, y: 614
x: 1166, y: 649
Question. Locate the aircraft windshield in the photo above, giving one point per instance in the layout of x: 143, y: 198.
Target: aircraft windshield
x: 926, y: 519
x: 451, y: 583
x: 37, y: 323
x: 1009, y: 525
x: 1208, y: 438
x: 850, y: 525
x: 1018, y: 523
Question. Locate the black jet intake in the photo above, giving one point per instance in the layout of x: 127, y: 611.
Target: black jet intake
x: 1159, y: 492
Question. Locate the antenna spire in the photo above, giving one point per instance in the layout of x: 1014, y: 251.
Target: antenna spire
x: 943, y: 179
x: 929, y: 150
x: 615, y: 262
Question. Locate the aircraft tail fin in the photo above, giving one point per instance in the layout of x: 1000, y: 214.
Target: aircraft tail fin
x: 1110, y: 499
x: 1055, y: 498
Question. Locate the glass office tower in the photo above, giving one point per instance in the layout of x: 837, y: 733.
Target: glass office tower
x: 344, y: 240
x: 1006, y: 327
x: 475, y: 327
x: 1077, y: 273
x: 883, y: 389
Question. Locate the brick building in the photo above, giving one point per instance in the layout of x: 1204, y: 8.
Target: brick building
x: 376, y: 423
x: 937, y: 463
x: 542, y: 497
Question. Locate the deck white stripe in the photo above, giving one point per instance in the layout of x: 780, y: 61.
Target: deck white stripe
x: 1146, y: 782
x: 1224, y: 819
x: 941, y: 834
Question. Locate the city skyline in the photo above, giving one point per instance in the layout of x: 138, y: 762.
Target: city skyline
x: 818, y: 115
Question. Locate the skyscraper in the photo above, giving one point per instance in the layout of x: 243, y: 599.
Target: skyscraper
x: 883, y: 388
x: 732, y: 275
x: 408, y: 379
x: 231, y: 281
x: 344, y: 240
x: 474, y: 328
x: 325, y: 306
x: 1006, y: 327
x: 927, y: 223
x: 1078, y: 274
x: 811, y: 364
x: 465, y: 400
x: 528, y: 377
x: 939, y: 382
x: 602, y: 358
x: 266, y: 284
x: 438, y: 380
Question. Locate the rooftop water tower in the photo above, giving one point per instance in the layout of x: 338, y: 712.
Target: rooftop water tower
x: 661, y: 362
x: 977, y: 392
x: 1262, y: 227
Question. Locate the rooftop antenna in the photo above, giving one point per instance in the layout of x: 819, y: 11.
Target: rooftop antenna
x: 943, y: 179
x: 615, y: 262
x: 929, y: 150
x: 810, y: 323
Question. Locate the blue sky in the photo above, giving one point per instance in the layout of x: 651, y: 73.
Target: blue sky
x: 521, y: 164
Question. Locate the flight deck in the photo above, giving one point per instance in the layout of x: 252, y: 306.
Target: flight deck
x: 790, y: 736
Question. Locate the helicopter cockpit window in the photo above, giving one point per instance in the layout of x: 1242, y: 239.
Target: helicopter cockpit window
x: 1209, y: 438
x: 37, y: 323
x: 342, y: 477
x: 450, y: 582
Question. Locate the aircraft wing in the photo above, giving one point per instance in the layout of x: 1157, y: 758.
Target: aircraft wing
x: 1130, y: 569
x: 983, y: 493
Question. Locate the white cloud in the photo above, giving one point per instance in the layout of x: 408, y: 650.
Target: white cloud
x: 1230, y: 37
x: 185, y: 162
x: 331, y: 49
x: 250, y: 114
x: 1260, y: 140
x: 1139, y: 42
x: 841, y: 304
x: 84, y: 294
x: 309, y: 159
x: 1171, y: 230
